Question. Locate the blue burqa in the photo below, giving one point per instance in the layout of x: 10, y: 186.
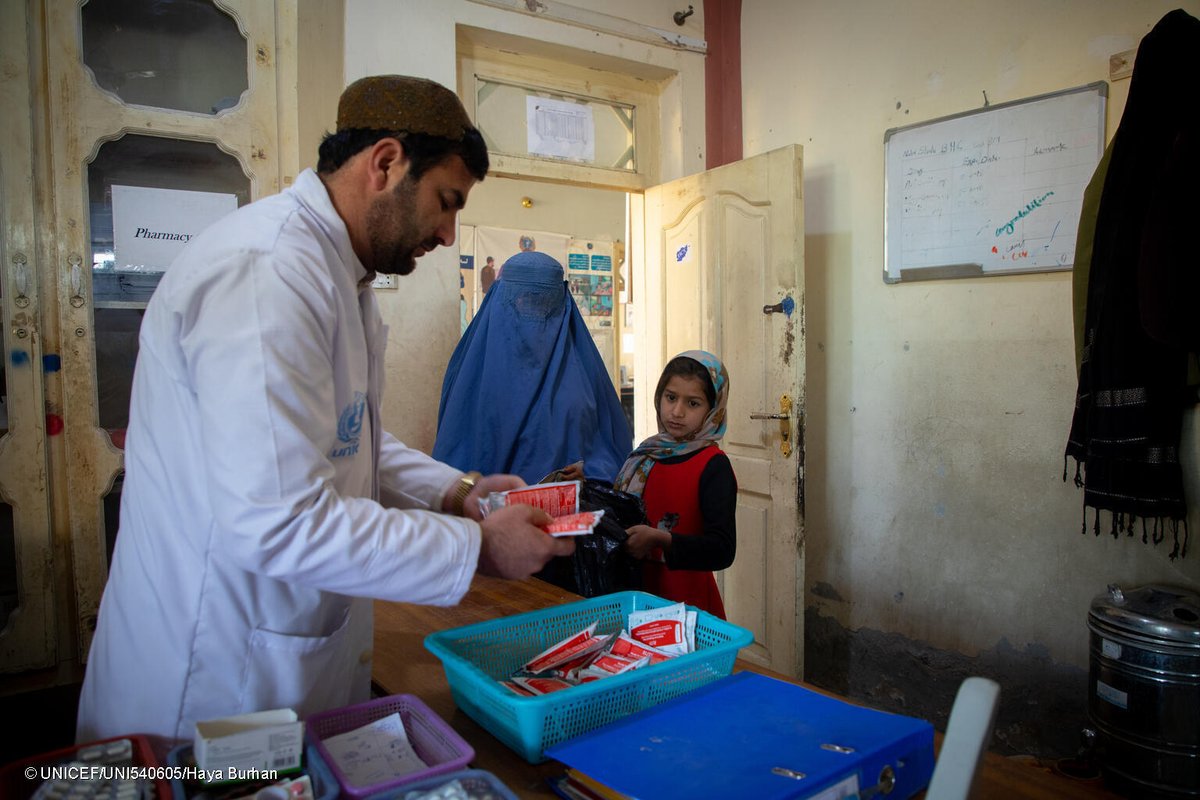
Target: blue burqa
x: 526, y: 391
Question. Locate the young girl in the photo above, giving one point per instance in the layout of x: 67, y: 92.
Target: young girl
x: 687, y: 485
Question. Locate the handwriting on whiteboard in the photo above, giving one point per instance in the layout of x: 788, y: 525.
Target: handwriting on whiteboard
x: 1000, y: 188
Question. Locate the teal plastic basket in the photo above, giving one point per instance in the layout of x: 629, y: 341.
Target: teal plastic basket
x: 476, y: 657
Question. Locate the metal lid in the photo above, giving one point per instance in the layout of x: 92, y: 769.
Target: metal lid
x: 1160, y: 612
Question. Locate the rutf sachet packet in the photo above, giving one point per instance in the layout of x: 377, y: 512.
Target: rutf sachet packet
x: 559, y: 500
x: 653, y: 636
x: 671, y: 629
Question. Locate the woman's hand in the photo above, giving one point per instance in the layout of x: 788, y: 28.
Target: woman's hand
x: 644, y: 540
x: 572, y: 472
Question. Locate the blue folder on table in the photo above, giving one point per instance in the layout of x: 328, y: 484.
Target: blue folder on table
x: 748, y: 735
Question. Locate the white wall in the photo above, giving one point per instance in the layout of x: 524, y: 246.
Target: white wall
x: 577, y: 211
x: 939, y: 411
x: 415, y: 37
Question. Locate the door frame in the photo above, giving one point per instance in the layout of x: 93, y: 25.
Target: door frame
x: 762, y: 197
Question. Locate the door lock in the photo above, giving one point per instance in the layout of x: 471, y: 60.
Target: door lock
x: 785, y: 423
x: 785, y: 306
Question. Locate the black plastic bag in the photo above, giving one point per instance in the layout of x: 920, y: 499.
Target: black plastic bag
x: 600, y: 564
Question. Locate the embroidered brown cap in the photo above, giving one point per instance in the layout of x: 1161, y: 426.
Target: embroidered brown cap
x: 402, y: 103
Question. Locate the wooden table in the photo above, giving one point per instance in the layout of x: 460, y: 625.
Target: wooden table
x: 403, y: 665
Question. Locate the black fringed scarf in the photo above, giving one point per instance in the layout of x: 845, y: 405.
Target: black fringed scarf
x: 1143, y: 297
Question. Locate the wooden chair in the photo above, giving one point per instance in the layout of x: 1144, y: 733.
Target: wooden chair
x: 966, y: 740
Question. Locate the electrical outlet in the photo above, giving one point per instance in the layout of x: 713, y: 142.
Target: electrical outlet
x: 384, y: 282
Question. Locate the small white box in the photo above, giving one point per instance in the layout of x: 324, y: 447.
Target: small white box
x: 263, y: 740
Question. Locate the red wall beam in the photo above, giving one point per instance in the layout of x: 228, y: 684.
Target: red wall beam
x: 723, y: 82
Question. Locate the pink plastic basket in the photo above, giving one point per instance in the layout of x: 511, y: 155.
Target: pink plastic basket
x: 434, y: 741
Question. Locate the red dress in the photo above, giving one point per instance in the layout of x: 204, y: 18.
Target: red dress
x: 672, y: 500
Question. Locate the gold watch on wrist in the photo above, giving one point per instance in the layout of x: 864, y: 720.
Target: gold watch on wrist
x: 461, y: 489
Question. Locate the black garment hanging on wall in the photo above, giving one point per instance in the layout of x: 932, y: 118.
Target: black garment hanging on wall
x: 1142, y: 318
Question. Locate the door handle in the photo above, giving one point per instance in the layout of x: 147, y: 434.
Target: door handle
x: 785, y: 423
x: 20, y: 280
x: 76, y: 262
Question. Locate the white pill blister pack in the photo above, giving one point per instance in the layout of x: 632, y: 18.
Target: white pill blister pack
x: 94, y: 774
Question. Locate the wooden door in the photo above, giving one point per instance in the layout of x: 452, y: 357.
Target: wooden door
x: 182, y: 100
x: 200, y: 96
x: 720, y: 247
x: 28, y: 628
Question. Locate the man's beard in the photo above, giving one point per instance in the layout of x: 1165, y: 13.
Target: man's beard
x: 392, y: 231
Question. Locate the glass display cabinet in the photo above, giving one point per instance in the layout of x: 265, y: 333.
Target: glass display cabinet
x: 135, y: 107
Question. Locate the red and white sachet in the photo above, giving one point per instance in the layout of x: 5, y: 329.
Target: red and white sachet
x: 568, y: 670
x: 536, y: 685
x: 573, y: 647
x: 516, y: 688
x: 580, y: 524
x: 559, y: 500
x: 556, y: 499
x: 607, y: 664
x: 628, y: 647
x: 665, y: 628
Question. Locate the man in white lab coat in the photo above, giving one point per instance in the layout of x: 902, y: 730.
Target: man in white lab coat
x: 263, y: 505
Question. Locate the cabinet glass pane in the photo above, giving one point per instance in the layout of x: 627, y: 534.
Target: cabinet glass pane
x: 526, y: 121
x: 120, y: 290
x: 186, y: 55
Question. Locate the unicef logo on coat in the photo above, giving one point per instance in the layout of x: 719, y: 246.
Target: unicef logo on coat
x: 350, y: 426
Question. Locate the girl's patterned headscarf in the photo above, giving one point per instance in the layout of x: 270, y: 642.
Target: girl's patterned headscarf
x: 632, y: 477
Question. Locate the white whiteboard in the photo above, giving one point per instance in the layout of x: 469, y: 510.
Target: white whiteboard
x: 995, y: 191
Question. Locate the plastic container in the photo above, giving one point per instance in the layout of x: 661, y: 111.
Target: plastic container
x: 324, y: 785
x: 16, y: 786
x: 433, y: 740
x: 476, y: 657
x: 479, y: 785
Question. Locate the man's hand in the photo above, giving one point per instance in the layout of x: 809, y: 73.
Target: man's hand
x: 514, y: 546
x: 485, y: 486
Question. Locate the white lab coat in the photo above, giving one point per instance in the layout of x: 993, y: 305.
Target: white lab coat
x: 254, y: 523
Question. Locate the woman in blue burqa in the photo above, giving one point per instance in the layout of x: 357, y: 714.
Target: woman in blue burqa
x: 526, y: 391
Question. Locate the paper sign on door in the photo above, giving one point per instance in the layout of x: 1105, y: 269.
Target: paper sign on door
x: 151, y: 226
